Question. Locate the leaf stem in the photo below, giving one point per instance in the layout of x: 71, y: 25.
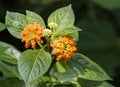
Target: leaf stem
x: 40, y: 45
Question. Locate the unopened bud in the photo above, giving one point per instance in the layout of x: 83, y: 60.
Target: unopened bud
x: 47, y: 32
x: 52, y: 25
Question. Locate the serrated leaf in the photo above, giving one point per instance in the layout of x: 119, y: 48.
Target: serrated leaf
x: 34, y: 17
x: 15, y: 23
x: 2, y: 26
x: 70, y: 30
x: 109, y: 4
x: 33, y: 64
x: 8, y: 53
x: 63, y: 17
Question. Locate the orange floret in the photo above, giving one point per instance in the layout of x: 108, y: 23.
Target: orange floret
x: 31, y: 34
x: 64, y: 48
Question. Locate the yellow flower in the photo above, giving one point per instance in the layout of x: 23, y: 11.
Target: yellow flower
x: 64, y: 48
x: 52, y: 25
x: 31, y: 34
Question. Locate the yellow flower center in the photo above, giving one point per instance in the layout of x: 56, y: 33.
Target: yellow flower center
x: 64, y: 48
x: 31, y: 34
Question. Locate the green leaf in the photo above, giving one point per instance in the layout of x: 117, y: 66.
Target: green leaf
x: 41, y: 82
x: 70, y: 30
x: 8, y: 53
x: 89, y: 83
x: 62, y: 72
x: 78, y: 67
x: 11, y: 82
x: 77, y: 84
x: 33, y: 17
x: 36, y: 83
x: 33, y: 64
x: 63, y: 17
x: 13, y: 53
x: 108, y: 58
x: 88, y: 69
x: 109, y: 4
x: 60, y: 68
x: 9, y: 70
x: 9, y: 56
x: 15, y: 32
x: 64, y: 85
x: 2, y: 26
x: 15, y: 23
x: 105, y: 84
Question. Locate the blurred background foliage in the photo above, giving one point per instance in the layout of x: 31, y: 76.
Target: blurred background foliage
x: 98, y: 19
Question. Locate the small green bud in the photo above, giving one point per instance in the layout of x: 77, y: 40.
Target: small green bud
x: 52, y: 25
x: 47, y: 32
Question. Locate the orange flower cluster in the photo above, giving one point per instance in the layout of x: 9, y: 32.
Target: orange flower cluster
x: 64, y: 48
x: 31, y: 34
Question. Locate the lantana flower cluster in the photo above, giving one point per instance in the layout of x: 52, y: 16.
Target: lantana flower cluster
x: 64, y: 47
x: 31, y: 34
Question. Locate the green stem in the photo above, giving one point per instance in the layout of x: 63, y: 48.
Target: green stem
x: 40, y: 45
x: 48, y: 43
